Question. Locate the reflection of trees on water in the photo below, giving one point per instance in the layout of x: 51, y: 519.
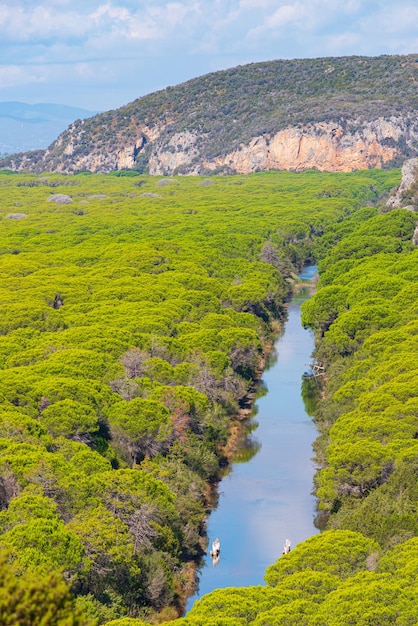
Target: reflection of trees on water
x: 247, y: 445
x: 247, y: 450
x: 310, y: 395
x: 271, y: 358
x: 321, y: 519
x: 260, y: 391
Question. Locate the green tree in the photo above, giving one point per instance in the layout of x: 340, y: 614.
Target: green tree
x: 340, y: 553
x: 69, y: 418
x: 33, y: 600
x: 142, y: 427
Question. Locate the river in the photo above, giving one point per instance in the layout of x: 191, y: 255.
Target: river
x: 268, y: 499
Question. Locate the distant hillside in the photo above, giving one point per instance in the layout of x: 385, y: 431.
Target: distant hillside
x: 335, y: 114
x: 33, y: 126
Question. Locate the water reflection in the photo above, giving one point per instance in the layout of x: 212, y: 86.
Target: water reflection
x: 310, y: 394
x: 247, y: 448
x: 271, y: 359
x: 260, y: 391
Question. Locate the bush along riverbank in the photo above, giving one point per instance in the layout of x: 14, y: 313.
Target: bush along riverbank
x: 365, y: 318
x: 136, y: 317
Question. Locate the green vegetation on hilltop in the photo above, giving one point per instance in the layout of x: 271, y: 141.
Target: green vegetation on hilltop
x: 135, y: 319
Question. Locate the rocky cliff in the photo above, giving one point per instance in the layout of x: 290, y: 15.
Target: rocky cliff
x: 323, y: 146
x: 335, y: 114
x: 406, y: 195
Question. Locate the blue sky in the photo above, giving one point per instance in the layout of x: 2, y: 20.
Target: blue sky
x: 101, y: 54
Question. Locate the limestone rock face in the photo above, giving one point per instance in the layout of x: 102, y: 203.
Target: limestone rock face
x: 323, y: 146
x: 342, y: 146
x: 126, y: 157
x: 409, y: 178
x: 406, y: 195
x: 330, y: 146
x: 178, y: 153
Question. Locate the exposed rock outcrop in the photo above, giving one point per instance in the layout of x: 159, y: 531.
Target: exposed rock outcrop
x: 404, y: 195
x: 330, y: 146
x: 178, y: 154
x: 16, y: 216
x: 324, y: 146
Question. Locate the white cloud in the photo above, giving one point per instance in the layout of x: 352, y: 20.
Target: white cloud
x: 245, y: 5
x: 85, y: 71
x: 120, y: 22
x: 18, y: 24
x: 312, y: 16
x: 344, y: 42
x: 287, y: 14
x: 168, y: 41
x: 114, y: 13
x: 12, y: 76
x: 396, y: 19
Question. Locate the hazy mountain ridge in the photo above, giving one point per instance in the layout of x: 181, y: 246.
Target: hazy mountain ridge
x: 335, y: 114
x: 34, y: 126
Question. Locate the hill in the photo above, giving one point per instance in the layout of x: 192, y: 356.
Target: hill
x: 332, y: 114
x: 34, y: 126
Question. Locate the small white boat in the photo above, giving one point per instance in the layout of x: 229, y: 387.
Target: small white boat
x: 216, y: 549
x: 286, y: 547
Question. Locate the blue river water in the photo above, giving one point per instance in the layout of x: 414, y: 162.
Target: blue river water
x: 268, y: 499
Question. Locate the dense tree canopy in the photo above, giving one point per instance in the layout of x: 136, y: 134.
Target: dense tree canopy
x: 363, y: 569
x: 132, y: 330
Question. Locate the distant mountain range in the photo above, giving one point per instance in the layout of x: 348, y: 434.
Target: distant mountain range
x: 26, y: 127
x: 331, y: 114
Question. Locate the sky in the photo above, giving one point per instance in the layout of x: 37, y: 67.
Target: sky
x: 102, y: 54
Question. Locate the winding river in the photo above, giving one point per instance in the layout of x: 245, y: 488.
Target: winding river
x: 268, y: 499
